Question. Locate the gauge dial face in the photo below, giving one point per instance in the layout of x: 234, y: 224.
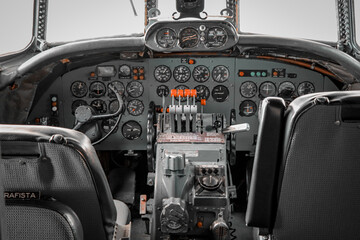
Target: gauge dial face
x: 108, y: 124
x: 79, y: 89
x: 247, y: 108
x: 162, y: 73
x: 286, y: 89
x: 188, y: 38
x: 99, y: 106
x: 97, y: 89
x: 305, y: 88
x: 166, y: 38
x: 220, y: 93
x: 113, y: 106
x: 267, y: 89
x: 131, y: 130
x: 202, y: 92
x: 77, y: 104
x: 220, y: 74
x: 216, y: 37
x: 162, y: 90
x: 182, y: 87
x: 182, y: 74
x: 135, y: 107
x: 118, y: 86
x: 135, y: 89
x: 201, y: 74
x: 248, y: 89
x: 124, y: 71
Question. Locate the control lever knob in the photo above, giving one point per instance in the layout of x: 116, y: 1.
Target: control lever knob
x: 243, y: 127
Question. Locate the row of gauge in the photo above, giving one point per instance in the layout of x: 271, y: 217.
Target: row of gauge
x: 98, y: 89
x: 200, y: 73
x: 267, y: 89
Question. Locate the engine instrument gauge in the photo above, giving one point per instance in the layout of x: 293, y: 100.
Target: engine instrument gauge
x: 216, y: 37
x: 248, y: 89
x: 267, y: 89
x: 286, y: 89
x: 220, y: 74
x: 124, y: 71
x: 135, y: 89
x: 135, y: 107
x: 113, y: 106
x: 220, y: 93
x: 305, y: 88
x: 118, y: 86
x: 182, y: 74
x: 131, y: 130
x: 162, y: 73
x: 79, y: 89
x: 166, y: 38
x: 201, y: 73
x: 182, y: 87
x: 203, y: 92
x: 188, y: 38
x: 99, y: 106
x: 77, y: 104
x: 247, y: 108
x: 97, y: 89
x: 108, y: 124
x: 162, y: 90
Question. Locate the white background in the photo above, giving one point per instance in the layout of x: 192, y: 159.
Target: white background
x: 78, y: 19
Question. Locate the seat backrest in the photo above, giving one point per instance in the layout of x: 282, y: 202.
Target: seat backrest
x: 59, y: 164
x: 315, y: 190
x: 3, y: 232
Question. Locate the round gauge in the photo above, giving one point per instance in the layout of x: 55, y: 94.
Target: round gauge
x: 247, y: 108
x: 135, y: 89
x: 99, y: 106
x: 79, y: 89
x: 216, y: 37
x: 248, y: 89
x: 305, y: 88
x: 267, y: 89
x: 131, y: 130
x: 162, y: 90
x: 97, y: 89
x: 201, y: 74
x: 286, y: 89
x: 162, y: 73
x: 182, y: 74
x: 220, y: 74
x: 166, y: 38
x: 202, y: 92
x: 77, y: 104
x: 182, y: 87
x: 188, y: 38
x: 113, y: 106
x: 118, y: 86
x: 108, y: 124
x: 135, y: 107
x: 220, y: 93
x: 124, y: 71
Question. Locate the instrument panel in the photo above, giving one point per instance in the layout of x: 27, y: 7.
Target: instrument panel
x: 225, y: 83
x: 198, y: 35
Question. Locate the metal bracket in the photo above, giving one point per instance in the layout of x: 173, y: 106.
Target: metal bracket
x: 346, y: 27
x: 40, y: 23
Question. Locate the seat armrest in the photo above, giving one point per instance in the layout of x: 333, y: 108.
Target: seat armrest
x: 267, y: 155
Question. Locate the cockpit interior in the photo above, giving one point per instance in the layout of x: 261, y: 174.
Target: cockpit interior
x: 191, y: 128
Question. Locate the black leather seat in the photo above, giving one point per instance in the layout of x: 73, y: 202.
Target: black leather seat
x: 305, y: 181
x: 62, y: 165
